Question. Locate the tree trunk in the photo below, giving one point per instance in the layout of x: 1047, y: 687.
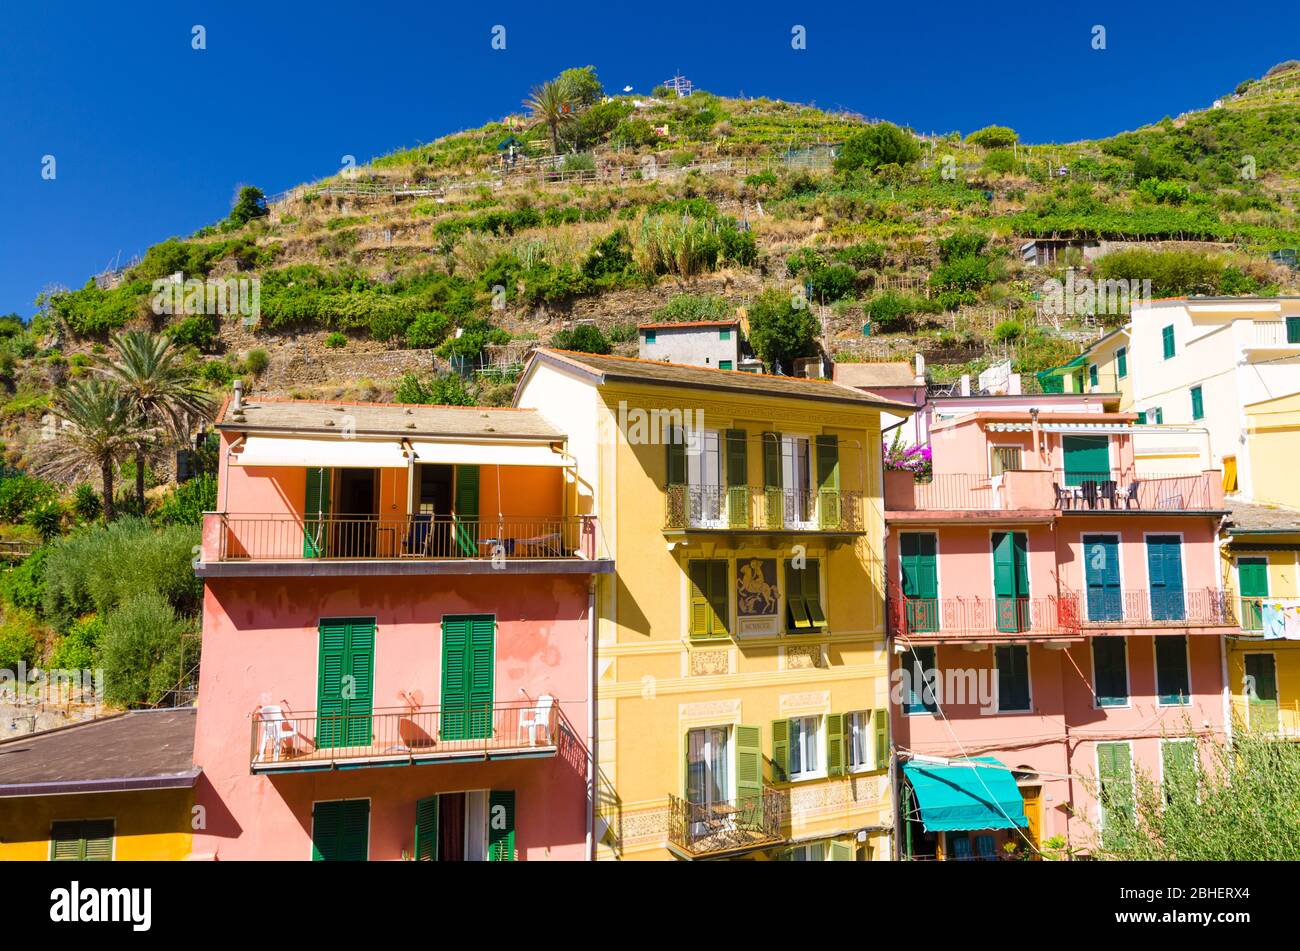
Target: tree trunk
x: 139, y: 476
x: 555, y: 138
x: 106, y: 473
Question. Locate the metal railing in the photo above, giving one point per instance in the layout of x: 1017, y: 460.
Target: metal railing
x: 1126, y: 490
x: 353, y: 537
x: 1271, y: 333
x: 975, y: 617
x: 756, y: 507
x: 947, y: 491
x: 283, y: 740
x: 1251, y: 613
x: 1269, y: 717
x: 702, y: 829
x: 1197, y: 607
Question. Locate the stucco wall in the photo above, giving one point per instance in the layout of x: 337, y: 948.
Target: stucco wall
x: 151, y: 825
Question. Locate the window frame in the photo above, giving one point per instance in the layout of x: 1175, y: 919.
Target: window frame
x: 1168, y: 342
x: 82, y: 840
x: 1197, y: 394
x: 818, y: 737
x: 921, y: 709
x: 1128, y: 674
x: 868, y: 735
x: 1029, y: 679
x: 1155, y: 671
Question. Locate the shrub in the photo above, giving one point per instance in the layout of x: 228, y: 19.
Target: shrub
x: 186, y: 504
x: 142, y: 650
x: 47, y: 519
x: 891, y: 311
x: 336, y: 340
x: 1172, y: 273
x: 779, y: 331
x: 250, y: 204
x: 832, y: 283
x: 993, y: 137
x: 427, y: 330
x: 1001, y: 162
x: 17, y: 643
x: 585, y: 338
x: 23, y: 586
x: 961, y: 244
x: 217, y: 373
x: 76, y: 649
x: 685, y: 307
x: 863, y: 256
x: 21, y: 494
x: 611, y: 256
x: 880, y: 144
x: 85, y: 502
x: 197, y: 330
x: 446, y: 389
x: 257, y: 361
x: 676, y: 244
x: 1008, y: 330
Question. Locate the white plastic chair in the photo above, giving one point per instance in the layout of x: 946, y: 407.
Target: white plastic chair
x: 276, y: 728
x: 539, y: 715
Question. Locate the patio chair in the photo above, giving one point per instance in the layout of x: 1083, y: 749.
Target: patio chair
x: 277, y: 729
x: 1086, y: 493
x: 1063, y: 496
x: 984, y: 849
x: 548, y: 546
x: 1106, y: 492
x: 537, y: 716
x: 1131, y: 495
x: 960, y: 849
x: 419, y: 534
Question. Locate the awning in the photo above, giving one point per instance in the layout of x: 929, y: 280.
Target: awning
x: 489, y: 454
x: 339, y: 452
x: 1089, y: 428
x: 963, y: 798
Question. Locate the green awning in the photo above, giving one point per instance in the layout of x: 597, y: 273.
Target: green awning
x: 964, y: 798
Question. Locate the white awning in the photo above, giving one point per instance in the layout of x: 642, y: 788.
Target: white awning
x: 338, y: 452
x: 489, y: 454
x: 1091, y: 428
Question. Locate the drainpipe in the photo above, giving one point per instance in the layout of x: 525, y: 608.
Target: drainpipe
x: 591, y: 719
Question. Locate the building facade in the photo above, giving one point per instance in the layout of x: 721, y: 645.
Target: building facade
x: 1057, y: 624
x: 396, y: 637
x: 701, y: 343
x: 741, y: 701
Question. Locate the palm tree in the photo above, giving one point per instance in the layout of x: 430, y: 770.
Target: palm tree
x: 549, y: 108
x: 103, y: 430
x: 161, y: 391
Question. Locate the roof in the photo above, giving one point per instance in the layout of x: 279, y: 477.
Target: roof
x: 602, y: 369
x: 387, y: 419
x: 686, y: 324
x: 1258, y: 518
x: 142, y: 749
x: 875, y: 374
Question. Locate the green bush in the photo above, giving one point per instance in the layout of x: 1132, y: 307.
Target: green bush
x: 863, y: 256
x: 23, y: 585
x: 892, y: 312
x: 1008, y: 330
x: 257, y: 361
x: 961, y: 244
x: 217, y: 373
x: 21, y: 494
x: 427, y: 330
x: 336, y: 340
x: 47, y: 519
x: 445, y: 389
x: 584, y: 338
x: 250, y: 204
x: 993, y: 137
x: 86, y: 503
x: 779, y: 331
x: 186, y: 504
x: 1000, y: 162
x: 143, y: 651
x: 17, y: 643
x: 832, y: 283
x: 880, y: 144
x: 98, y: 567
x: 1172, y: 273
x: 689, y: 307
x: 197, y: 330
x: 76, y: 650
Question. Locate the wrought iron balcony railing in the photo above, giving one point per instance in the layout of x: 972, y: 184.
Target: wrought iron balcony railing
x: 354, y: 537
x: 976, y: 617
x: 742, y: 507
x: 1127, y: 490
x: 701, y: 830
x: 282, y: 740
x: 1197, y: 607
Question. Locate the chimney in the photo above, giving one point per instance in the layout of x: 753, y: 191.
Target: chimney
x: 920, y: 370
x: 239, y: 396
x: 965, y: 384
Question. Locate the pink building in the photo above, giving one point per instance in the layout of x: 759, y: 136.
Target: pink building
x: 1053, y: 613
x: 397, y: 637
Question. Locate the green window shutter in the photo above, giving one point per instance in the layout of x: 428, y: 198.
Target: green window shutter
x: 454, y: 698
x: 466, y: 522
x: 1142, y: 418
x: 1261, y: 692
x: 1167, y: 339
x: 1252, y: 580
x: 812, y: 592
x: 331, y: 709
x: 316, y: 505
x: 698, y: 572
x: 1010, y: 580
x: 1101, y: 573
x: 828, y: 481
x: 725, y: 365
x: 1121, y: 362
x: 426, y: 830
x: 1172, y: 677
x: 361, y: 667
x: 918, y: 553
x: 834, y: 744
x: 737, y: 477
x: 1092, y: 376
x: 82, y: 840
x: 501, y: 825
x: 1198, y: 403
x: 841, y: 852
x: 880, y: 721
x: 719, y: 603
x: 1114, y: 773
x: 1013, y: 677
x: 340, y: 831
x: 781, y: 749
x: 1087, y: 458
x: 724, y: 335
x: 66, y: 842
x: 1178, y: 762
x: 482, y: 674
x: 1165, y: 572
x: 796, y: 607
x: 1159, y: 415
x: 676, y: 457
x: 749, y: 765
x: 1293, y: 330
x: 1110, y: 671
x: 774, y: 502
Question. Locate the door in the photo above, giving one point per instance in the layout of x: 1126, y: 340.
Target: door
x: 1033, y: 796
x: 920, y: 580
x: 1011, y: 580
x: 708, y: 777
x: 704, y: 476
x: 1165, y: 569
x: 1101, y: 570
x: 315, y: 513
x: 468, y: 674
x: 1252, y: 579
x: 796, y: 477
x: 465, y: 521
x: 1087, y: 458
x: 1261, y: 692
x: 356, y: 513
x: 345, y: 682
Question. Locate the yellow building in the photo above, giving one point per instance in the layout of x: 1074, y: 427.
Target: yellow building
x: 1272, y: 438
x: 120, y: 788
x: 1104, y: 367
x: 1262, y: 573
x: 740, y: 658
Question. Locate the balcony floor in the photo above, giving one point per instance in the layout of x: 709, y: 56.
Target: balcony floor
x: 356, y: 757
x: 344, y: 567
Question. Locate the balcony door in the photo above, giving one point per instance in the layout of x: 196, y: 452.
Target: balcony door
x: 1165, y: 571
x: 356, y: 511
x: 1011, y: 580
x: 708, y: 779
x: 796, y: 478
x: 1252, y: 579
x: 704, y: 476
x: 345, y: 682
x: 468, y: 676
x: 1101, y: 569
x: 1261, y: 692
x: 920, y: 580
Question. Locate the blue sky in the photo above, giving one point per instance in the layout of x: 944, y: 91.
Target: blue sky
x: 151, y: 138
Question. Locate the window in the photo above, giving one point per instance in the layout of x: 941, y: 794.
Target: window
x: 918, y: 682
x: 1092, y: 376
x: 803, y: 598
x: 796, y: 479
x: 1110, y: 671
x: 1105, y: 600
x: 1012, y: 662
x: 1011, y: 581
x: 1252, y: 582
x: 805, y: 747
x: 476, y: 826
x: 650, y: 336
x: 1178, y: 769
x: 1115, y: 777
x: 725, y: 365
x: 1142, y: 417
x: 706, y: 502
x: 861, y: 741
x: 1121, y: 362
x: 82, y: 840
x: 724, y: 335
x: 1158, y: 416
x: 1293, y: 330
x: 1198, y: 403
x: 710, y: 605
x: 1165, y: 575
x: 1260, y: 688
x: 340, y: 830
x: 1173, y: 684
x: 708, y: 766
x: 920, y: 577
x: 1004, y: 459
x: 468, y: 678
x: 1167, y: 339
x: 812, y: 852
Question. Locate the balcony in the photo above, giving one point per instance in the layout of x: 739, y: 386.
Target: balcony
x: 1275, y: 335
x: 996, y: 619
x: 1091, y: 493
x: 1111, y: 610
x: 718, y: 829
x: 1025, y: 491
x: 1269, y: 717
x: 747, y: 508
x: 240, y: 544
x: 311, y: 741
